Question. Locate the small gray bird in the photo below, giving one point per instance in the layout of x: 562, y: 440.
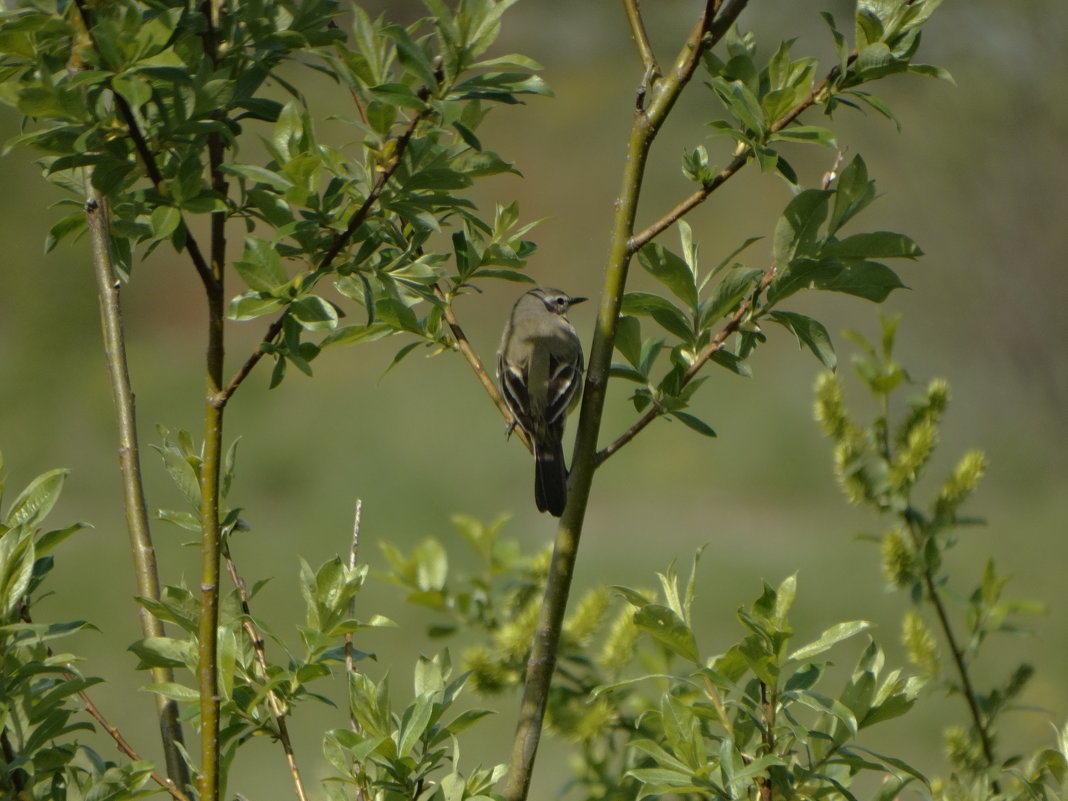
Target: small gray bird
x: 539, y: 368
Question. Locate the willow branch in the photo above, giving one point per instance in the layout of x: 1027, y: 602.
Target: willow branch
x: 141, y: 546
x: 967, y: 689
x: 211, y: 466
x: 124, y: 746
x: 341, y: 240
x: 479, y: 368
x: 350, y: 661
x: 737, y: 162
x: 648, y: 119
x: 259, y: 648
x: 144, y: 153
x: 719, y: 341
x: 641, y: 38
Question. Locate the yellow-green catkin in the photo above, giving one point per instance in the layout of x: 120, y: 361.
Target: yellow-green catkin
x: 583, y: 624
x: 830, y: 406
x: 960, y: 485
x: 489, y: 674
x: 618, y: 647
x: 963, y: 750
x: 899, y: 561
x: 920, y: 644
x: 910, y: 460
x: 849, y: 468
x: 513, y: 639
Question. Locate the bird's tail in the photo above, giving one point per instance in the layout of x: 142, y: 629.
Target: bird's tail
x: 550, y: 477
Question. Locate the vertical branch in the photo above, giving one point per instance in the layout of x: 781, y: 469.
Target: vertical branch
x: 141, y: 548
x: 967, y: 689
x: 209, y: 563
x: 260, y: 649
x: 661, y: 97
x: 354, y: 549
x: 211, y: 462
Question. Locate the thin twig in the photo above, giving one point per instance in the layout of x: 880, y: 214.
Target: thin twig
x: 124, y: 746
x: 767, y: 713
x: 641, y: 39
x: 479, y: 368
x: 719, y: 341
x: 148, y: 161
x: 340, y: 241
x: 649, y: 233
x: 354, y: 549
x: 259, y: 647
x: 350, y: 661
x: 120, y: 741
x: 970, y: 697
x: 141, y: 546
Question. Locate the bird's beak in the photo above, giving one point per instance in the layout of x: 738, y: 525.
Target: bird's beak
x: 577, y: 300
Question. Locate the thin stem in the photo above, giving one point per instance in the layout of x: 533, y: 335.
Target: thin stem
x: 120, y: 741
x: 646, y: 124
x: 144, y: 153
x: 476, y: 364
x: 970, y: 697
x: 641, y: 39
x: 354, y: 549
x: 736, y: 163
x: 210, y: 469
x: 259, y: 647
x: 350, y: 661
x: 211, y: 461
x: 142, y: 550
x: 719, y: 341
x: 767, y: 712
x: 340, y: 241
x: 124, y: 746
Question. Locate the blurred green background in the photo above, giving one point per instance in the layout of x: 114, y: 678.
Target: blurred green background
x: 977, y: 177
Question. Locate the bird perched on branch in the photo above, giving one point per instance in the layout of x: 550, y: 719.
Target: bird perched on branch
x: 539, y: 368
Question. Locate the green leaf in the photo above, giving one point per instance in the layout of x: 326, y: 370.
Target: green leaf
x: 873, y: 245
x: 831, y: 637
x: 698, y: 425
x: 174, y: 691
x: 35, y: 502
x: 259, y: 175
x: 742, y: 103
x: 728, y: 293
x: 797, y: 229
x: 261, y: 265
x: 164, y: 652
x: 49, y: 540
x: 314, y: 313
x: 668, y: 629
x: 810, y: 334
x: 414, y: 723
x: 164, y: 221
x: 864, y: 279
x: 813, y: 134
x: 253, y: 304
x: 411, y: 56
x: 353, y: 334
x: 70, y: 225
x: 670, y: 270
x: 660, y: 309
x: 852, y: 194
x: 16, y: 570
x: 629, y: 339
x: 133, y: 87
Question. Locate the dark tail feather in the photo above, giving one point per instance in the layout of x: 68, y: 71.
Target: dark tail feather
x: 550, y: 479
